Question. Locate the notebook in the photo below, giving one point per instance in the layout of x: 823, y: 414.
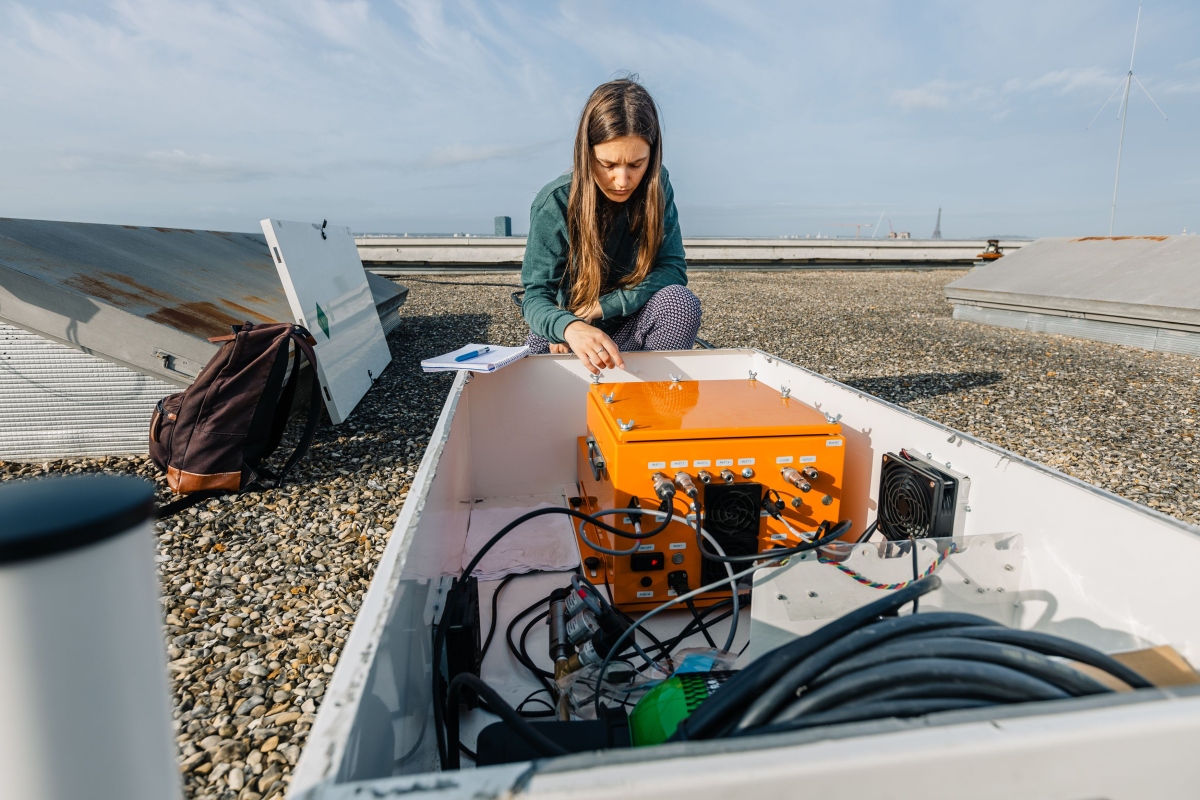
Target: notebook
x: 494, y: 359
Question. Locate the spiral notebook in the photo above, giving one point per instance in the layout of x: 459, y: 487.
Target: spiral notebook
x: 495, y: 358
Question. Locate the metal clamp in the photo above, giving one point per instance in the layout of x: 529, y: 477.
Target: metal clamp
x: 595, y: 457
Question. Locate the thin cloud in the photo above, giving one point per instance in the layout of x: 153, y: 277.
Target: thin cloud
x: 935, y: 95
x: 173, y: 164
x: 1065, y: 81
x: 453, y: 155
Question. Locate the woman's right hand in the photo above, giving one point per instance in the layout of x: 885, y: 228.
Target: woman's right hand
x: 593, y: 346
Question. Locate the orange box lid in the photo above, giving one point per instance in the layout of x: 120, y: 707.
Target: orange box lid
x: 670, y: 410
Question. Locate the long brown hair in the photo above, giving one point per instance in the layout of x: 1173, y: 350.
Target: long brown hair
x: 618, y: 108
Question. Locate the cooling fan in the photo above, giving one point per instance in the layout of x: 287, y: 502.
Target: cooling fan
x: 731, y: 515
x: 919, y: 499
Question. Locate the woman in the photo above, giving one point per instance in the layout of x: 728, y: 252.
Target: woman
x: 604, y: 269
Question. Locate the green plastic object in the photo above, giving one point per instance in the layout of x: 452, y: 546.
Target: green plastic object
x: 659, y: 712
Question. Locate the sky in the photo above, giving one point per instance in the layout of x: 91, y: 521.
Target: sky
x: 780, y: 119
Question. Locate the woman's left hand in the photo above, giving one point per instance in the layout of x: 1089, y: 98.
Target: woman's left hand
x: 593, y: 346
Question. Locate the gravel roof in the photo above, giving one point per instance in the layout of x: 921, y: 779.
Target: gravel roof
x: 261, y: 590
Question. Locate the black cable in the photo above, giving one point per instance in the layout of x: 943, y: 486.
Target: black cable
x: 942, y: 670
x: 715, y: 713
x: 532, y: 736
x: 700, y: 621
x: 439, y: 635
x: 512, y: 646
x: 916, y: 573
x: 804, y: 669
x: 866, y: 534
x: 526, y: 658
x: 1048, y: 645
x: 911, y: 707
x: 779, y: 552
x: 1055, y: 673
x: 532, y: 697
x: 492, y: 625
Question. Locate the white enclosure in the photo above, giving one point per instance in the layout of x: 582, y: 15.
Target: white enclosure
x: 1092, y: 567
x: 328, y: 292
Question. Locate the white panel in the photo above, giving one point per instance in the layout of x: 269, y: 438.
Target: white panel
x: 59, y: 402
x: 328, y: 292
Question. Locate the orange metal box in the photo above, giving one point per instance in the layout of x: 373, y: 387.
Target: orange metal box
x: 735, y: 439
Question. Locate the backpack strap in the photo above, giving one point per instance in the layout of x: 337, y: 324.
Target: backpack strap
x: 187, y: 501
x: 304, y: 343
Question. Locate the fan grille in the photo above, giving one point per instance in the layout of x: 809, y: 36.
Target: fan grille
x: 907, y: 501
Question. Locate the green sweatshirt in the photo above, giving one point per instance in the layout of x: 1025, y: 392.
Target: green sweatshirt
x: 543, y: 271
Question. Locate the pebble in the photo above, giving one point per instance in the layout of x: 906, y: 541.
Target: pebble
x: 291, y: 565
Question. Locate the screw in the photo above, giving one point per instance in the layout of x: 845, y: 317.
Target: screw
x: 781, y: 597
x: 812, y: 594
x: 1008, y: 567
x: 796, y: 502
x: 747, y: 473
x: 968, y: 508
x: 786, y: 392
x: 625, y: 426
x: 981, y: 590
x: 967, y: 581
x: 595, y: 378
x: 608, y: 398
x: 827, y: 500
x: 753, y: 375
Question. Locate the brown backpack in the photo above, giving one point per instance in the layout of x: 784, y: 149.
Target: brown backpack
x: 212, y: 437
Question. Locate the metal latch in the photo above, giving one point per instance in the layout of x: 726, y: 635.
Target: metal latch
x: 174, y: 363
x: 595, y: 457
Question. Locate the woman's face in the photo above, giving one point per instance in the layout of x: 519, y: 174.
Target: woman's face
x: 618, y: 166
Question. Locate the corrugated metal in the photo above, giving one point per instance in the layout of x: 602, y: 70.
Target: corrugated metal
x: 1144, y: 337
x: 59, y: 402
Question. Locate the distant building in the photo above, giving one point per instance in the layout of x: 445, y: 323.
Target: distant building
x: 504, y: 226
x: 899, y: 235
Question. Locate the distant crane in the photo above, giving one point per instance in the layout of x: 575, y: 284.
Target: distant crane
x: 1123, y: 114
x: 937, y: 227
x: 858, y: 226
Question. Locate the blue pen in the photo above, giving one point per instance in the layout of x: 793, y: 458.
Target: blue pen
x: 473, y: 354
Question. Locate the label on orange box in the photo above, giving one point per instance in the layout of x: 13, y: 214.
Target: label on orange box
x: 678, y: 464
x: 645, y: 594
x: 833, y: 442
x: 745, y: 461
x: 702, y: 462
x: 724, y: 462
x: 784, y: 459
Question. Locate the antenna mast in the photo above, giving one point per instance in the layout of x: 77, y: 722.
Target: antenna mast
x: 1123, y: 115
x: 937, y: 227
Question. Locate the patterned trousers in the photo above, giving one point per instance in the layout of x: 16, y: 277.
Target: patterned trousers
x: 670, y: 320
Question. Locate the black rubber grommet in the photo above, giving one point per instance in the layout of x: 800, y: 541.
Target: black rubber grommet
x: 45, y: 516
